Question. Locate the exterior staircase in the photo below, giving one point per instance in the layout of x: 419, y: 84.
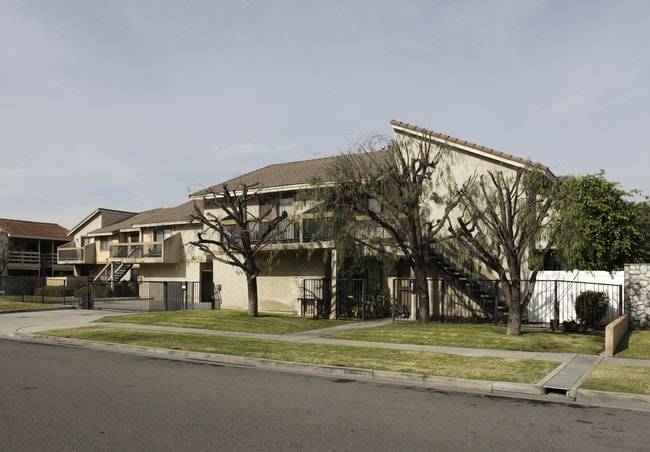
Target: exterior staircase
x: 482, y: 291
x: 113, y: 272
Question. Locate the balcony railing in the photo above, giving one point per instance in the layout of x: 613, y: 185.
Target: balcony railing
x: 25, y: 258
x: 161, y: 251
x: 136, y: 250
x: 287, y: 231
x: 69, y: 254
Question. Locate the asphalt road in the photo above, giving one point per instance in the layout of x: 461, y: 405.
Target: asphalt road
x: 65, y: 398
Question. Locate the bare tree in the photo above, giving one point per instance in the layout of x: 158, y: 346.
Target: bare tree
x: 386, y: 201
x: 505, y: 222
x: 237, y: 237
x: 5, y: 251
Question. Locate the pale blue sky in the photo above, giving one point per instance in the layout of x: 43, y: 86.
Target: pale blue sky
x: 132, y: 104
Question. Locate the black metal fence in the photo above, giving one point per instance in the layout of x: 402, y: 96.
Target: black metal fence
x: 553, y: 301
x: 552, y: 304
x: 483, y: 301
x: 35, y: 289
x: 148, y: 296
x: 356, y: 299
x: 124, y: 296
x: 316, y: 297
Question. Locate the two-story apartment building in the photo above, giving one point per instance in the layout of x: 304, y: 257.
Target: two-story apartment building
x: 153, y: 245
x: 83, y: 251
x: 113, y: 245
x: 300, y: 257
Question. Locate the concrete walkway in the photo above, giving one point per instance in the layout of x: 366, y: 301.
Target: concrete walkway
x: 561, y: 384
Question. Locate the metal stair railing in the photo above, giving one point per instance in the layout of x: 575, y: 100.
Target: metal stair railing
x: 482, y: 291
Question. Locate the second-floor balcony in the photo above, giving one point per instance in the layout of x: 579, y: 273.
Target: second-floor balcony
x: 69, y: 254
x: 167, y: 251
x: 290, y: 231
x: 31, y: 259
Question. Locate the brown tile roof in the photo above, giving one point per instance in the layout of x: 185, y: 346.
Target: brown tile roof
x: 277, y: 176
x: 33, y: 229
x: 285, y: 175
x: 154, y: 217
x: 467, y: 144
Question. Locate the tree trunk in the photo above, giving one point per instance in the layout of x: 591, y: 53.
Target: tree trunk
x: 514, y: 320
x: 514, y: 308
x: 422, y: 290
x: 252, y: 295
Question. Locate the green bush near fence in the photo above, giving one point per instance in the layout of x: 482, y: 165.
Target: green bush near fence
x: 591, y: 307
x: 54, y: 291
x: 99, y: 291
x: 122, y: 289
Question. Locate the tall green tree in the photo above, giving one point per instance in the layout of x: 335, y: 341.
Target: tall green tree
x: 504, y: 221
x: 641, y: 222
x: 603, y: 228
x: 383, y: 200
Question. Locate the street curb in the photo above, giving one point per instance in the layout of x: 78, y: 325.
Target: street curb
x: 614, y: 399
x: 496, y: 388
x: 448, y: 383
x: 57, y: 308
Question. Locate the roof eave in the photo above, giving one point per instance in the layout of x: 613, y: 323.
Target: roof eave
x: 490, y: 154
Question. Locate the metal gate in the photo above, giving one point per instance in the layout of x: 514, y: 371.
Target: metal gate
x: 316, y: 298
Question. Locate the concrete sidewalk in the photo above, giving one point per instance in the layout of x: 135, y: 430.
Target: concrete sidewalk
x: 563, y: 384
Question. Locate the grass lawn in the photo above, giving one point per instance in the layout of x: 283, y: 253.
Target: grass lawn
x: 478, y: 336
x: 614, y: 378
x: 417, y: 362
x: 7, y: 305
x: 629, y: 379
x: 635, y: 344
x: 227, y: 320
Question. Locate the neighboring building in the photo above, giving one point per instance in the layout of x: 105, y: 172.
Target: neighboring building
x: 30, y: 248
x: 147, y: 246
x: 83, y: 250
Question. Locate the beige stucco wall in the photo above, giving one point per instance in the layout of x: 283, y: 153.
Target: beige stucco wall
x: 457, y: 166
x: 171, y: 272
x: 279, y: 286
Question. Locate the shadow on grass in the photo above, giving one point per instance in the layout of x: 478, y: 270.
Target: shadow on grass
x: 624, y: 343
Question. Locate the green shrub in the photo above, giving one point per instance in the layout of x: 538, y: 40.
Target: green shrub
x: 570, y: 326
x: 99, y: 291
x: 591, y: 307
x: 54, y: 291
x: 383, y: 305
x: 125, y: 289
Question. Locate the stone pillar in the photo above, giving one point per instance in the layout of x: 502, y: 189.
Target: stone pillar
x: 637, y: 294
